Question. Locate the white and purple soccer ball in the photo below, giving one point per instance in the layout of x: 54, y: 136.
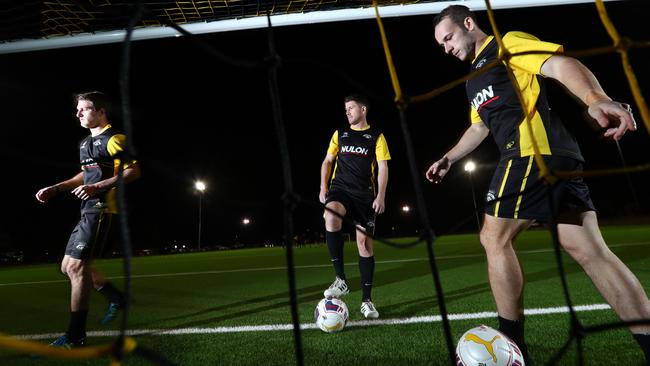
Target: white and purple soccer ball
x: 331, y: 315
x: 487, y: 346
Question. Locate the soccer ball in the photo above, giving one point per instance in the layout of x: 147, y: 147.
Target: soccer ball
x: 486, y: 346
x: 331, y: 315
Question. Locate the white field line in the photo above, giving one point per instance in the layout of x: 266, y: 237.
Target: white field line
x: 441, y: 257
x: 286, y: 327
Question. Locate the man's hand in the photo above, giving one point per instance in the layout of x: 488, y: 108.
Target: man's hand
x: 616, y: 118
x: 44, y: 194
x: 378, y: 205
x: 438, y: 170
x: 322, y: 195
x: 84, y: 192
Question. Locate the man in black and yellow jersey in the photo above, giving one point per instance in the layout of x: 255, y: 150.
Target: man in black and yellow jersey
x: 357, y: 153
x: 95, y: 186
x: 516, y: 196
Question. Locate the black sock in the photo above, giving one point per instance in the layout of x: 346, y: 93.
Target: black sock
x: 77, y: 327
x: 111, y: 293
x: 644, y: 342
x: 335, y: 245
x: 367, y: 270
x: 514, y: 329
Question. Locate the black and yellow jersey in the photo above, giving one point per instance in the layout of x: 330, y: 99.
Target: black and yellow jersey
x: 356, y: 154
x: 99, y: 161
x: 494, y: 100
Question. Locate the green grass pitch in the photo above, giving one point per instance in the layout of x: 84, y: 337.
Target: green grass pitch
x: 220, y: 302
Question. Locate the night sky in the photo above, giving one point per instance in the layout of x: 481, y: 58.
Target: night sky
x: 196, y: 117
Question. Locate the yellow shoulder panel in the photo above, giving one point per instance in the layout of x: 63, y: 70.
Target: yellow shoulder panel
x: 518, y: 42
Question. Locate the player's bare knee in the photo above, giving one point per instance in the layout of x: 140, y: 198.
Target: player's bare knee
x: 488, y: 239
x: 64, y: 265
x: 483, y: 237
x: 75, y: 269
x: 494, y: 243
x: 72, y: 271
x: 365, y: 250
x: 332, y: 221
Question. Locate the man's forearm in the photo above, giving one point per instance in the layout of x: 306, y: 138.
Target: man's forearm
x: 130, y: 174
x: 382, y: 181
x: 470, y: 140
x: 324, y: 174
x: 70, y: 184
x: 576, y: 77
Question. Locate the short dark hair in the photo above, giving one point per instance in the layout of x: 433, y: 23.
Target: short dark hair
x: 99, y: 100
x: 357, y: 98
x: 457, y: 14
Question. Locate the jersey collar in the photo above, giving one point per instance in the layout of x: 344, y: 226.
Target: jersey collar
x: 487, y: 41
x: 102, y: 130
x: 360, y: 129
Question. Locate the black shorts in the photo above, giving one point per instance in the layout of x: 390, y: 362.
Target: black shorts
x: 358, y: 206
x: 90, y: 235
x: 516, y: 192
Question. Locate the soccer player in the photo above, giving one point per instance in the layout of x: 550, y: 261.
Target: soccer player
x: 357, y: 152
x: 516, y: 196
x: 100, y: 155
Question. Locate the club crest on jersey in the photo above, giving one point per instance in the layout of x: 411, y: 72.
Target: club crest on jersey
x: 354, y: 150
x: 345, y: 134
x: 490, y: 196
x: 367, y: 136
x: 480, y: 63
x: 97, y: 142
x: 483, y: 97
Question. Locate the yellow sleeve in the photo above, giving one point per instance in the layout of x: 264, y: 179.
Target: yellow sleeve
x: 334, y: 144
x: 381, y: 150
x: 473, y: 116
x: 116, y: 145
x: 517, y: 42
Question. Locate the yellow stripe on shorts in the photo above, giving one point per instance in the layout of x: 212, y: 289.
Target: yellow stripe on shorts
x: 523, y: 186
x: 503, y: 186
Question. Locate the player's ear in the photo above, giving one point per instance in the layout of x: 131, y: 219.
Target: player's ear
x: 469, y: 23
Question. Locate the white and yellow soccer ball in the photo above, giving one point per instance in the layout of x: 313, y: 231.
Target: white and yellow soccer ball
x: 487, y: 346
x: 331, y: 315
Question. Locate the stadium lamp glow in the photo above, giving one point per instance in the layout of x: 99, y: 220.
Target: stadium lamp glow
x: 470, y: 166
x: 406, y: 208
x: 246, y: 221
x: 199, y: 185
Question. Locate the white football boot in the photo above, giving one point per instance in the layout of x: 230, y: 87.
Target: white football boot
x: 337, y: 289
x: 368, y: 310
